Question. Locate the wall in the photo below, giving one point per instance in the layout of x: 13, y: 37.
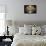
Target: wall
x: 15, y: 9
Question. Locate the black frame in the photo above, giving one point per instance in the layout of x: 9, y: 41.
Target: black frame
x: 33, y: 12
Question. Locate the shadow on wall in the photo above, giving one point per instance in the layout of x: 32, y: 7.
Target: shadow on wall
x: 21, y: 23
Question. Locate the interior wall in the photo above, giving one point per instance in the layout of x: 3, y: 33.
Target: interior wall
x: 39, y: 16
x: 15, y: 10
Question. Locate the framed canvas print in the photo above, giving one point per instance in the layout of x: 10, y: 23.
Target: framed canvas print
x: 30, y: 9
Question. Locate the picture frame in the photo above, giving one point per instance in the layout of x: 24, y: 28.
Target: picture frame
x: 30, y: 9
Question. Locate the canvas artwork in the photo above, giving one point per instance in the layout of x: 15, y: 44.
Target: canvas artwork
x: 30, y: 9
